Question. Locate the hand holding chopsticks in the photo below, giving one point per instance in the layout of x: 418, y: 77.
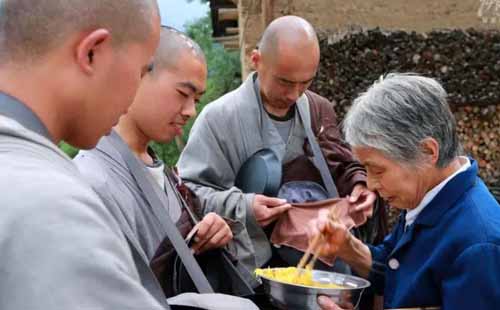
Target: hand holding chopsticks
x: 318, y: 242
x: 314, y: 247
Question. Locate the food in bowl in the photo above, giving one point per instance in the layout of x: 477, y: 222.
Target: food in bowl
x: 292, y: 275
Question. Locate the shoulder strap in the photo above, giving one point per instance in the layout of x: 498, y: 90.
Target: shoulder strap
x: 172, y: 180
x: 140, y: 175
x: 318, y: 158
x: 16, y: 110
x: 153, y: 287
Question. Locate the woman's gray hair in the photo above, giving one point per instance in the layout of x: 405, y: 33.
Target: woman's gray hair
x: 397, y: 113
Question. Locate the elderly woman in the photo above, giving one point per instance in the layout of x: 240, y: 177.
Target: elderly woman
x: 445, y: 251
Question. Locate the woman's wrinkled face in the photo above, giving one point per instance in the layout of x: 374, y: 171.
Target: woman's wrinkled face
x: 402, y: 186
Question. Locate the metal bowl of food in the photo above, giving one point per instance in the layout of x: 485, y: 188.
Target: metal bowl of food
x: 293, y: 289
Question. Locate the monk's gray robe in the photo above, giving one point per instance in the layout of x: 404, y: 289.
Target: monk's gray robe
x: 225, y: 134
x: 105, y: 169
x: 60, y: 248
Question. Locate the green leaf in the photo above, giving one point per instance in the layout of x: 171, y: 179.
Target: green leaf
x: 68, y: 149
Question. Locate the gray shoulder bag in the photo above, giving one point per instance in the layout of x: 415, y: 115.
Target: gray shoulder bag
x: 318, y: 158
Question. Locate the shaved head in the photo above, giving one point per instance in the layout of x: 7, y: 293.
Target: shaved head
x: 287, y: 32
x: 168, y: 94
x: 286, y: 62
x: 174, y: 44
x: 30, y: 29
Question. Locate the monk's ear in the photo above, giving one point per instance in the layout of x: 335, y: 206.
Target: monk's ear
x: 91, y: 49
x: 430, y: 150
x: 256, y: 58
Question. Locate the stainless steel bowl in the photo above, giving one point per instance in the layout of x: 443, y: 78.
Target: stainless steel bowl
x: 301, y: 297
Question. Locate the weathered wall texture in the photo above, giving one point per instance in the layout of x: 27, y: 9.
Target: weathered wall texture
x: 340, y: 15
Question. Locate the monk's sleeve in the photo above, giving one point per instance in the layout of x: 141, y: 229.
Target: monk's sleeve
x: 67, y: 252
x: 345, y: 170
x: 207, y: 166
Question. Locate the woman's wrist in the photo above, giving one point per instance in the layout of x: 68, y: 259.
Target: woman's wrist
x: 356, y: 254
x: 346, y: 248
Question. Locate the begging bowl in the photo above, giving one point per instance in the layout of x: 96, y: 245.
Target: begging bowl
x: 304, y: 297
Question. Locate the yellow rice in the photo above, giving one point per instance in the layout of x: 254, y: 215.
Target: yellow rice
x: 291, y: 275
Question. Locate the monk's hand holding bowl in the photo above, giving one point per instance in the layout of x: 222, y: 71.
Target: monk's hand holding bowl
x: 363, y: 201
x: 325, y: 303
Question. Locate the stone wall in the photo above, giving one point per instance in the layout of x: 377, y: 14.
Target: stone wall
x: 340, y: 15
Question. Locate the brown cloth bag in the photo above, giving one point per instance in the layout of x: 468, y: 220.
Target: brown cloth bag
x: 291, y: 228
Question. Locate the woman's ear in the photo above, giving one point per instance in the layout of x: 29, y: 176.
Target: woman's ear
x: 90, y: 47
x: 430, y: 149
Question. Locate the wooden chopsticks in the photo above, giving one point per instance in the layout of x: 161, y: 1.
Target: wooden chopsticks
x: 312, y: 248
x: 316, y: 245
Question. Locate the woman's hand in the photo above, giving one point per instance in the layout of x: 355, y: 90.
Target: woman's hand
x: 338, y: 241
x: 336, y: 235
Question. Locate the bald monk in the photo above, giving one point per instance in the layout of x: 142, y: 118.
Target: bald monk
x: 68, y: 71
x: 164, y: 103
x: 262, y: 113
